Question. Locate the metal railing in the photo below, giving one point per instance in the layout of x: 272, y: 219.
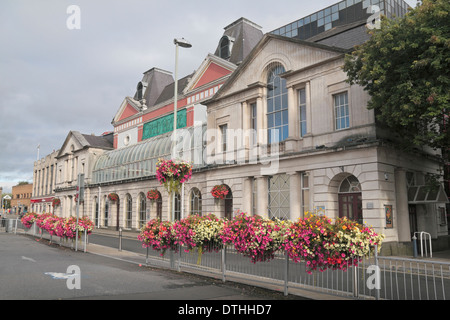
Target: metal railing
x: 375, y: 277
x: 15, y: 225
x: 423, y: 239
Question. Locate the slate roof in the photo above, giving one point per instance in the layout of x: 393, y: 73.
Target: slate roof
x: 246, y: 35
x: 168, y: 92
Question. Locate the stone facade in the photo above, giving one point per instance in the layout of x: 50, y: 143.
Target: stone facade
x: 283, y: 130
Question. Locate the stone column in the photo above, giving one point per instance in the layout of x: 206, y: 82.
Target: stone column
x: 401, y: 193
x: 260, y: 121
x: 295, y: 197
x: 293, y: 113
x: 247, y: 195
x: 262, y: 197
x: 308, y: 107
x: 242, y: 150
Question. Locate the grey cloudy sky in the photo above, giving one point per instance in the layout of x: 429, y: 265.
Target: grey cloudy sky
x: 53, y: 79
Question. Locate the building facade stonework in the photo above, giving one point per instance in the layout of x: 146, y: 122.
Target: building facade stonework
x: 280, y: 128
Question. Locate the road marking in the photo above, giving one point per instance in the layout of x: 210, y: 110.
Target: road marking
x: 28, y: 259
x: 60, y: 276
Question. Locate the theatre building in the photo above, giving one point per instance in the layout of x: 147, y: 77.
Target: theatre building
x: 271, y: 117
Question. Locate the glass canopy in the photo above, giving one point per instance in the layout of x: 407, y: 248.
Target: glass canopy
x: 139, y: 160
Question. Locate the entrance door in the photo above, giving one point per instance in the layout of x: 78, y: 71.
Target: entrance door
x: 350, y: 206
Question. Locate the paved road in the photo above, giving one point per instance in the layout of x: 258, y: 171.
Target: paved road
x: 32, y: 269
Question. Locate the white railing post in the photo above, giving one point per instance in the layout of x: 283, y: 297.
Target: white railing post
x: 286, y: 273
x: 224, y: 264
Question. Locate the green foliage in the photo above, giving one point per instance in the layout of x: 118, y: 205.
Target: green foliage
x: 405, y: 68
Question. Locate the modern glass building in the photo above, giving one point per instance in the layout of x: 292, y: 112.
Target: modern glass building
x: 339, y: 14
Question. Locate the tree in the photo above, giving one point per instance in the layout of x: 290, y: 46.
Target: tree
x: 405, y: 67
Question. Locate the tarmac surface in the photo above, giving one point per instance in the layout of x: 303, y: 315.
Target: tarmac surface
x: 140, y: 259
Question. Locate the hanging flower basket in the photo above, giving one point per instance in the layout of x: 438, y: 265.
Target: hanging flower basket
x: 172, y: 174
x: 153, y: 195
x: 219, y: 191
x: 113, y: 197
x: 56, y: 202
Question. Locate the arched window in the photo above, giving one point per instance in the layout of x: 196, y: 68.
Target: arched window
x: 177, y: 206
x: 224, y: 47
x: 129, y: 208
x: 142, y: 210
x: 159, y: 207
x: 277, y: 105
x: 139, y: 91
x: 196, y: 202
x: 350, y: 199
x: 96, y: 211
x: 228, y: 204
x: 106, y: 212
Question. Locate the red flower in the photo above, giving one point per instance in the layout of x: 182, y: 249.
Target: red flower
x: 219, y: 191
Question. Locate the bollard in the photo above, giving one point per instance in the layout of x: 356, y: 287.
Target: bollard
x: 120, y: 239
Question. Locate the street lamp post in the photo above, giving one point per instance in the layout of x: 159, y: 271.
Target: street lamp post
x: 184, y: 44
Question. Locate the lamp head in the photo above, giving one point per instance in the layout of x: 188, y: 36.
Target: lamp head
x: 182, y: 43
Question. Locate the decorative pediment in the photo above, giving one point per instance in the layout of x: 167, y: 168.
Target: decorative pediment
x: 212, y: 68
x: 295, y: 55
x: 128, y: 108
x: 71, y: 144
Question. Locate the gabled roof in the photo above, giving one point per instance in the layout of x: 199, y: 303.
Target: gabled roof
x: 335, y: 51
x: 128, y: 108
x: 81, y: 141
x: 212, y: 68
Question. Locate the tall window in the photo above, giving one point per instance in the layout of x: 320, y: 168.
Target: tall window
x: 225, y: 47
x: 177, y: 206
x: 305, y: 193
x: 302, y: 111
x: 341, y: 111
x: 142, y: 210
x: 277, y: 106
x: 253, y: 124
x: 96, y: 210
x: 350, y: 199
x: 129, y: 205
x: 196, y: 202
x: 106, y: 212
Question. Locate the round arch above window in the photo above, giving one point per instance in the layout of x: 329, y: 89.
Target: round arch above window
x: 195, y: 200
x: 225, y: 46
x: 350, y: 184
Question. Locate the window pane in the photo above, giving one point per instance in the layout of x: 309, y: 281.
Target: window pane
x: 278, y: 119
x: 270, y: 105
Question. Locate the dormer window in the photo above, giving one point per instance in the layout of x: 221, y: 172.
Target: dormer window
x: 225, y: 47
x: 139, y: 92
